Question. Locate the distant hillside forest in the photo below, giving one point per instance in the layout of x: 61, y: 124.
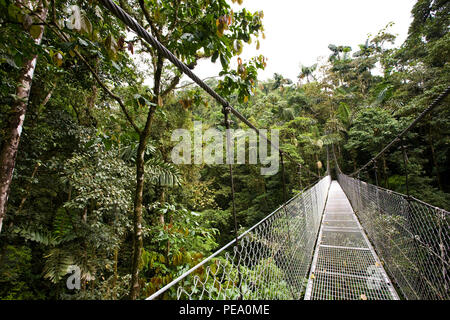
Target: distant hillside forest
x: 86, y: 176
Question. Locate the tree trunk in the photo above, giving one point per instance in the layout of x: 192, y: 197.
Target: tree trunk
x: 138, y: 241
x: 137, y: 220
x: 140, y: 172
x: 13, y: 130
x: 116, y: 262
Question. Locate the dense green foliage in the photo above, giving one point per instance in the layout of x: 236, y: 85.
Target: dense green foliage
x: 73, y: 194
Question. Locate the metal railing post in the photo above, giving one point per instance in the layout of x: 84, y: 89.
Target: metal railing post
x: 289, y: 242
x: 405, y: 162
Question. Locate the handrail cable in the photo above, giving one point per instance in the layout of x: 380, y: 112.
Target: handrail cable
x: 231, y: 243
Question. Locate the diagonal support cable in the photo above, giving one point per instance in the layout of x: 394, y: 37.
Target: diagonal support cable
x: 140, y: 31
x: 399, y: 137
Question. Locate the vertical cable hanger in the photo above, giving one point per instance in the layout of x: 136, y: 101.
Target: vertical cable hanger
x: 375, y: 172
x: 283, y: 178
x: 300, y: 176
x: 328, y: 162
x: 226, y: 112
x: 377, y: 197
x: 405, y: 163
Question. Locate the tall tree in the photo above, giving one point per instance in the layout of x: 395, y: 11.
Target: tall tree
x: 193, y: 31
x: 307, y: 72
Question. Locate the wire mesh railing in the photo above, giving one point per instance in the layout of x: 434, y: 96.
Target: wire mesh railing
x: 271, y: 260
x: 411, y: 237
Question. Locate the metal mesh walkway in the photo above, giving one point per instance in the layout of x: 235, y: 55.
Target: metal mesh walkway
x: 345, y: 266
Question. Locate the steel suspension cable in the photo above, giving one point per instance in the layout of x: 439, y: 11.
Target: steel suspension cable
x: 434, y: 104
x: 140, y: 31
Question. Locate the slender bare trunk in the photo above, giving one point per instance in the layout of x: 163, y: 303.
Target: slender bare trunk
x: 27, y: 192
x: 138, y: 241
x: 10, y: 144
x: 168, y: 242
x: 137, y: 220
x: 48, y: 96
x: 144, y: 136
x: 113, y: 286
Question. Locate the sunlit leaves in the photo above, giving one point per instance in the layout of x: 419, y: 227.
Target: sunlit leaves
x: 243, y: 79
x: 223, y: 23
x: 238, y: 47
x: 57, y: 57
x: 319, y: 164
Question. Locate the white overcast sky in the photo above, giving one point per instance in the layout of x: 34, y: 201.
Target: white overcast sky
x: 299, y: 31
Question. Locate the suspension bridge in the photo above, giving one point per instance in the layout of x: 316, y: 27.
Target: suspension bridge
x: 337, y: 239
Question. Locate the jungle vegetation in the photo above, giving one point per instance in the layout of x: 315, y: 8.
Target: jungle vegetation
x: 85, y: 171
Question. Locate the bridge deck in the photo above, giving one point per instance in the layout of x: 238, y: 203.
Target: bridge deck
x: 345, y: 265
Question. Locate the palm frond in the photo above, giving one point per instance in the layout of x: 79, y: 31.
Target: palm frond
x: 57, y: 264
x: 129, y: 152
x: 162, y: 173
